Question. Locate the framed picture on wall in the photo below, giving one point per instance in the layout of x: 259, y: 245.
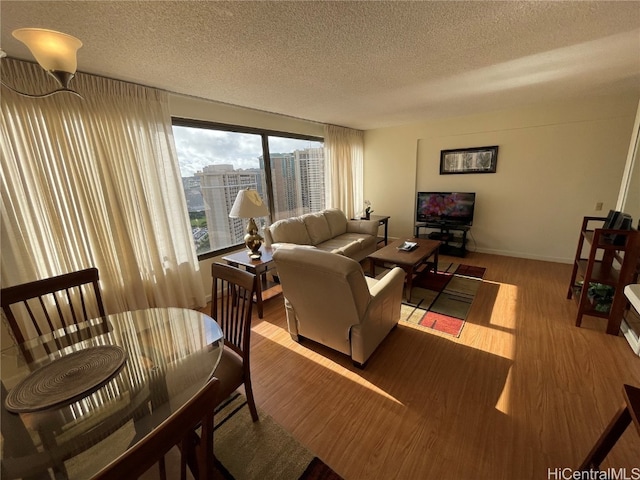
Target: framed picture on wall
x: 469, y: 160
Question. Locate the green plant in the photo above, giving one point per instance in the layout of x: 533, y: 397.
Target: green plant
x: 601, y: 296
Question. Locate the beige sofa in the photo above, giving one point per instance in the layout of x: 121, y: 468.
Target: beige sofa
x: 329, y: 300
x: 328, y: 230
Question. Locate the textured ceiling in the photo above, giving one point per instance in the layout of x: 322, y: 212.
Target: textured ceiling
x: 362, y: 64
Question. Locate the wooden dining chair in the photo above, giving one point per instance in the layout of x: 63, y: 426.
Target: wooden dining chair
x: 628, y: 413
x: 232, y: 295
x: 52, y: 303
x: 175, y: 430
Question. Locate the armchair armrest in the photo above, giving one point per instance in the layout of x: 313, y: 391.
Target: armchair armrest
x: 392, y: 280
x: 369, y: 227
x: 383, y: 313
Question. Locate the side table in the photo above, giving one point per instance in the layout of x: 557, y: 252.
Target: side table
x: 383, y: 220
x: 265, y: 289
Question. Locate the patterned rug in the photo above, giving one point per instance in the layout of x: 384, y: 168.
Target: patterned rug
x: 246, y: 450
x: 262, y: 450
x: 442, y: 301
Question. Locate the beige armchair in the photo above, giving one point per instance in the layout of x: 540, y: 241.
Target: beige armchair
x: 329, y: 300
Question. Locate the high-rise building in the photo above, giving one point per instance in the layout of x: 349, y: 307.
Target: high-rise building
x: 311, y: 162
x: 298, y: 182
x: 193, y: 193
x: 220, y: 185
x: 285, y: 176
x: 298, y: 188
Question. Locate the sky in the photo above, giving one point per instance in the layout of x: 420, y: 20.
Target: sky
x: 199, y: 147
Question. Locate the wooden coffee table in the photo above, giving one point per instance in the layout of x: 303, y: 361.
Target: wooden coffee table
x: 410, y: 262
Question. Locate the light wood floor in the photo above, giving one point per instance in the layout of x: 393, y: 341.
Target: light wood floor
x: 521, y: 391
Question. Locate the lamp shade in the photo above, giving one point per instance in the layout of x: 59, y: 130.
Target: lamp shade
x: 248, y: 204
x: 54, y: 51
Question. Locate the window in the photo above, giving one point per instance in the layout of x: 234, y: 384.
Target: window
x: 216, y: 161
x: 297, y: 172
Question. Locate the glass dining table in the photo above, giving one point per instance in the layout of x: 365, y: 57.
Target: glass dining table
x: 141, y: 367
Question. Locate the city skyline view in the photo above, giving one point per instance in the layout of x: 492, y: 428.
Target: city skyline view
x: 198, y: 148
x: 216, y: 164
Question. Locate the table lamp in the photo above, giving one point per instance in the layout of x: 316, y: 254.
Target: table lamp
x: 248, y: 204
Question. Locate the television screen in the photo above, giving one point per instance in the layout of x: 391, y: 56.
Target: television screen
x: 449, y: 207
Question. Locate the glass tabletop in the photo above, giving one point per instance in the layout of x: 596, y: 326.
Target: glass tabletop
x: 170, y: 354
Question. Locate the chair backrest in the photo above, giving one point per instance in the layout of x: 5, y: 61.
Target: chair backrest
x: 232, y: 295
x: 321, y: 285
x: 173, y: 431
x: 53, y: 302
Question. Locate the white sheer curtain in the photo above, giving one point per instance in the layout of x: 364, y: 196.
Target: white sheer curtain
x: 95, y: 182
x: 344, y: 161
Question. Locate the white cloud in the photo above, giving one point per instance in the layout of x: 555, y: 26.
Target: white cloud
x: 199, y: 147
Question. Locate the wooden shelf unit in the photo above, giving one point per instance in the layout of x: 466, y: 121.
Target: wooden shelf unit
x: 612, y: 260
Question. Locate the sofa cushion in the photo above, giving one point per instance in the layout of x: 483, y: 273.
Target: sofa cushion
x: 317, y: 227
x: 349, y: 244
x: 337, y: 221
x: 290, y: 230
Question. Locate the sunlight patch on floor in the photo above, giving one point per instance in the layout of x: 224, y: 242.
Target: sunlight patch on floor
x: 503, y: 402
x: 497, y: 336
x: 503, y: 316
x: 266, y: 330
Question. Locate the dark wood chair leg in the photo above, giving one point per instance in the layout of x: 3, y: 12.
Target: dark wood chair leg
x: 248, y: 390
x: 162, y: 469
x: 188, y: 457
x: 607, y: 440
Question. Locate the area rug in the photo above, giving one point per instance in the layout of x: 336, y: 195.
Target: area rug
x: 262, y: 450
x: 441, y: 301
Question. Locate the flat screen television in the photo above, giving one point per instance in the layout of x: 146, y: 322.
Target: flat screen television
x: 453, y: 208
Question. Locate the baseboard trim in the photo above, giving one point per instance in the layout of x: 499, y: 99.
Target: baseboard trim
x: 528, y: 256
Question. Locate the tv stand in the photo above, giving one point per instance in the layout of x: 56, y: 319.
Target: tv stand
x: 452, y: 243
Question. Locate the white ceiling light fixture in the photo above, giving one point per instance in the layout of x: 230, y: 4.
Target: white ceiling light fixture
x: 56, y: 54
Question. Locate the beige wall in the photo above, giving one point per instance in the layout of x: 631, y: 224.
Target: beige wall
x: 629, y: 197
x: 554, y: 163
x: 198, y: 109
